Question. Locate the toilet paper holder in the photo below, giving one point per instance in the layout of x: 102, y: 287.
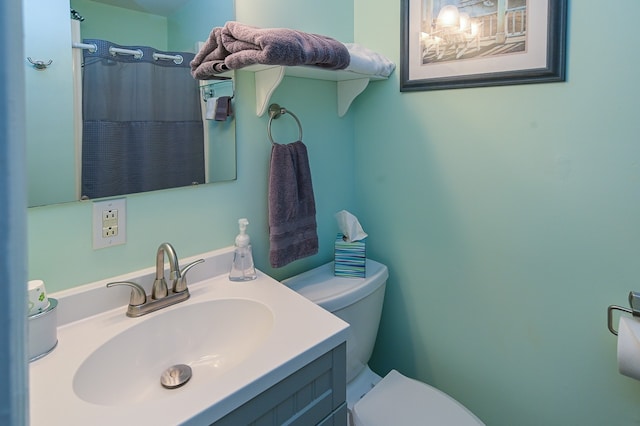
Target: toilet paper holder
x: 634, y: 302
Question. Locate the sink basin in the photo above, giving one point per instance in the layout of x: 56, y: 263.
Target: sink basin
x: 237, y: 339
x: 211, y: 337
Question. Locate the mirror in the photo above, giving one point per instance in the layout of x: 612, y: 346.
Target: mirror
x: 54, y: 106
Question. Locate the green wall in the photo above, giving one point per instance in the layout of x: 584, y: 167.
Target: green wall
x: 189, y: 23
x: 204, y: 218
x: 333, y: 18
x: 121, y: 26
x: 509, y: 218
x: 49, y: 98
x: 507, y: 215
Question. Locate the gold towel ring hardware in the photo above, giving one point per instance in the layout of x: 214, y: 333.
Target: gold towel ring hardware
x: 275, y: 111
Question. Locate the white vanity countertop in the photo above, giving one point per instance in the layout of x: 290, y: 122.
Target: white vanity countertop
x: 89, y: 316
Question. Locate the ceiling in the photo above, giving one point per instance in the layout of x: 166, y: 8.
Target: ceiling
x: 155, y: 7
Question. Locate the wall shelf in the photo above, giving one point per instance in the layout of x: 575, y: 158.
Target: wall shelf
x: 268, y: 78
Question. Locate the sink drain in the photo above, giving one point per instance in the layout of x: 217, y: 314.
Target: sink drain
x: 175, y: 376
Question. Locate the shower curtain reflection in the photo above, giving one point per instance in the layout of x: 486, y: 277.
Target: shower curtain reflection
x: 142, y: 123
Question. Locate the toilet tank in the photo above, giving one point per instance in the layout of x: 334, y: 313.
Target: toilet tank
x: 357, y: 301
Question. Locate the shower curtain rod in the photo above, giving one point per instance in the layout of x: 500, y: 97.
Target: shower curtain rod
x: 137, y: 54
x: 91, y: 47
x: 177, y: 59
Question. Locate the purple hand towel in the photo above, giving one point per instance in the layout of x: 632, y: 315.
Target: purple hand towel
x: 223, y: 108
x: 209, y: 60
x: 249, y: 45
x: 292, y: 207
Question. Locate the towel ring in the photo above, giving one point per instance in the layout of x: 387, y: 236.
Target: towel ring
x: 275, y: 111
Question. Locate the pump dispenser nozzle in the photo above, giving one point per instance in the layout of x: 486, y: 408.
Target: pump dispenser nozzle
x: 243, y: 240
x: 242, y: 268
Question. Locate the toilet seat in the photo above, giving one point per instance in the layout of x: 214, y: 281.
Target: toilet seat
x: 399, y: 400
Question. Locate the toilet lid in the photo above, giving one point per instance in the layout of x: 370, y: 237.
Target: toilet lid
x: 399, y: 400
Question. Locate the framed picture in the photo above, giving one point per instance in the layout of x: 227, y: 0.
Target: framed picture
x: 449, y: 44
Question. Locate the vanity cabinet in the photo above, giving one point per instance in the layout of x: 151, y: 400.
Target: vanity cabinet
x: 313, y: 395
x: 293, y: 371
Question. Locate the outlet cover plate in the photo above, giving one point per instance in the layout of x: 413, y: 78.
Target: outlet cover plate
x: 110, y: 214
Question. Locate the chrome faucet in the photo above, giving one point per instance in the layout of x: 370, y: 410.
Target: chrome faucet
x: 161, y: 296
x: 159, y: 289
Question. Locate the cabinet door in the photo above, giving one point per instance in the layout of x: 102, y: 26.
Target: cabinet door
x: 313, y: 395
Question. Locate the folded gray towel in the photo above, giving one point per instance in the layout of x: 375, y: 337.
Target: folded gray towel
x: 238, y: 45
x: 209, y: 60
x: 249, y: 45
x: 292, y: 207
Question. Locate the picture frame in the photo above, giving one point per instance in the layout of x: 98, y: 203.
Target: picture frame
x: 449, y: 44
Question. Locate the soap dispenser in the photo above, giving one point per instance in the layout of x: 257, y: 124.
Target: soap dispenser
x: 242, y: 268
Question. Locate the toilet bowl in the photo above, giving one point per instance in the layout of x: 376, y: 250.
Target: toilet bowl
x: 373, y: 400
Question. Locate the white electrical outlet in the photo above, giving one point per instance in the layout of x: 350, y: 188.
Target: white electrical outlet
x: 109, y: 223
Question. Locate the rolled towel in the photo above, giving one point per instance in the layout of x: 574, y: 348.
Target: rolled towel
x: 366, y: 61
x: 249, y: 45
x: 209, y: 61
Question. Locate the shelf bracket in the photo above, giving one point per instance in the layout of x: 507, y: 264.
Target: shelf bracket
x: 267, y: 81
x: 348, y: 90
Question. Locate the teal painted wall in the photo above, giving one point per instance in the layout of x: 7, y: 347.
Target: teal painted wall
x: 44, y: 89
x: 507, y: 215
x: 199, y: 219
x: 121, y: 26
x: 193, y: 21
x: 204, y: 218
x: 509, y: 218
x: 333, y: 18
x: 189, y: 23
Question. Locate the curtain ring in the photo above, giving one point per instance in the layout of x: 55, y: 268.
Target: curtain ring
x: 275, y: 111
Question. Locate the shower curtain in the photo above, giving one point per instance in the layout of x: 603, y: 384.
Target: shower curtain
x: 142, y: 122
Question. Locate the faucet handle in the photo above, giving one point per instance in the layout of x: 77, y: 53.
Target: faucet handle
x: 180, y: 284
x: 159, y: 289
x: 138, y: 296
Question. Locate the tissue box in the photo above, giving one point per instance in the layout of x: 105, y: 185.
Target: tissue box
x: 349, y: 258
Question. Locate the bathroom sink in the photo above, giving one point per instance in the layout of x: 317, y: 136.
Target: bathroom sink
x: 210, y: 337
x: 237, y: 339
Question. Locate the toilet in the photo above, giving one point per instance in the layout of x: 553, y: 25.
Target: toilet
x: 372, y: 400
